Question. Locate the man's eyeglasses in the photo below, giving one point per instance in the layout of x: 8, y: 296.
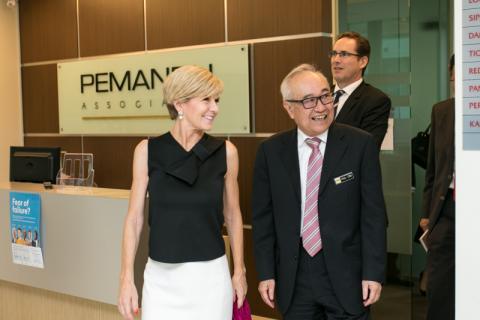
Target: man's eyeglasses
x: 311, y: 102
x: 342, y: 54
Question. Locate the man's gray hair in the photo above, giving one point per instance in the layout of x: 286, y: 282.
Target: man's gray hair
x: 305, y: 67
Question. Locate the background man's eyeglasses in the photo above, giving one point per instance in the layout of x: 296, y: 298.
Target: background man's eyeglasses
x: 311, y: 102
x: 342, y: 54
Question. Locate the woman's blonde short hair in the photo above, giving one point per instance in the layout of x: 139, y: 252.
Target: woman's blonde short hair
x: 189, y: 82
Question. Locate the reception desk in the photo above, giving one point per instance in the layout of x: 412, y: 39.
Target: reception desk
x: 81, y: 237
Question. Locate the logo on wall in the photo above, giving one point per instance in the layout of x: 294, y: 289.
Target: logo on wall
x: 129, y: 81
x: 124, y: 94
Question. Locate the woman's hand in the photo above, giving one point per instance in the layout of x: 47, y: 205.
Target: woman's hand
x: 239, y: 284
x: 128, y: 300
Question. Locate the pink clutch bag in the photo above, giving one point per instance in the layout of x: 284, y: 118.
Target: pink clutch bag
x: 244, y: 313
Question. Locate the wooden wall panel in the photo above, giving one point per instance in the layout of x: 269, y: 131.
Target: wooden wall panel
x: 48, y: 30
x: 250, y: 19
x: 184, y: 23
x: 112, y: 159
x: 108, y: 27
x: 68, y: 144
x: 247, y: 150
x: 112, y: 156
x: 40, y: 99
x: 272, y: 62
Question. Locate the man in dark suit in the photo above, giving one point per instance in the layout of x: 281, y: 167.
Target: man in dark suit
x: 318, y: 210
x: 439, y: 210
x: 359, y: 104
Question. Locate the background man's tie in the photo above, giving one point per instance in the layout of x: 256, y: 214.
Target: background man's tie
x: 311, y: 228
x: 338, y: 94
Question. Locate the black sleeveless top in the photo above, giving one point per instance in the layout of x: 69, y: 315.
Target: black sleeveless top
x: 186, y: 199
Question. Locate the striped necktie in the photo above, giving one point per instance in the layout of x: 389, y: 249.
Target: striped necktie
x: 311, y: 228
x: 338, y: 94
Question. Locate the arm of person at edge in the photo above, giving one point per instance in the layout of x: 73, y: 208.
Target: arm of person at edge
x: 429, y: 176
x: 128, y: 296
x: 375, y: 120
x: 373, y: 225
x: 234, y: 223
x: 263, y: 229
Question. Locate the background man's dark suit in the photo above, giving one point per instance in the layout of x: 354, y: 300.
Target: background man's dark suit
x: 441, y: 156
x: 351, y: 214
x: 367, y: 108
x: 439, y: 208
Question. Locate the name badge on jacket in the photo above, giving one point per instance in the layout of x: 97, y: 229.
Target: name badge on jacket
x: 344, y: 178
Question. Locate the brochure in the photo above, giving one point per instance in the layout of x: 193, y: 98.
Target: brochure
x: 25, y: 216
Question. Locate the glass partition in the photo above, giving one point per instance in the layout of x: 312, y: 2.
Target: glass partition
x: 410, y: 41
x: 386, y: 23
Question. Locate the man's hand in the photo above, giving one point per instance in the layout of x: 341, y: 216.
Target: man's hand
x: 371, y: 292
x: 424, y: 223
x: 267, y: 292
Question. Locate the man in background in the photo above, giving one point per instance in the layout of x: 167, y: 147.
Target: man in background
x: 439, y: 209
x: 356, y: 102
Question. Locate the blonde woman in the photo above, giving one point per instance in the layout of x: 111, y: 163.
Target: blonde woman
x: 191, y: 179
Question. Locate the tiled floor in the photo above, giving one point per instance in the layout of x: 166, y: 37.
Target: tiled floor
x: 399, y: 302
x: 419, y: 305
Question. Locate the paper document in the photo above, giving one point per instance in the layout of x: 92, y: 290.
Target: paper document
x: 423, y: 240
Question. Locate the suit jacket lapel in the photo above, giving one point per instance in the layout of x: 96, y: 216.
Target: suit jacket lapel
x: 351, y: 102
x: 336, y: 147
x: 289, y: 157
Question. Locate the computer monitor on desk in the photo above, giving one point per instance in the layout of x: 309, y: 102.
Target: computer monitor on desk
x: 34, y: 164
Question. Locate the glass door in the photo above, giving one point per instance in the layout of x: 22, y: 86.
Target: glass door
x: 410, y: 42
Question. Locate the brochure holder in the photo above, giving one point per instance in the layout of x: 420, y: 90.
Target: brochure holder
x: 76, y: 170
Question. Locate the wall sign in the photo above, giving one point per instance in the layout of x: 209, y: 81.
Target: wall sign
x: 123, y: 95
x: 471, y: 74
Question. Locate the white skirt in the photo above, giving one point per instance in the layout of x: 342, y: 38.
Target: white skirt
x: 187, y: 291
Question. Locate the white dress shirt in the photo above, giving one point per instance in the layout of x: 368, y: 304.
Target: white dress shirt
x: 348, y: 91
x: 304, y: 152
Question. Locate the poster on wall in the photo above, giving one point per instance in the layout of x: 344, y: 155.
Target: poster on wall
x: 471, y: 74
x: 25, y: 217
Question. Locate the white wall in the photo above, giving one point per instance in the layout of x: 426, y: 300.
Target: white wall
x: 11, y: 127
x: 467, y: 201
